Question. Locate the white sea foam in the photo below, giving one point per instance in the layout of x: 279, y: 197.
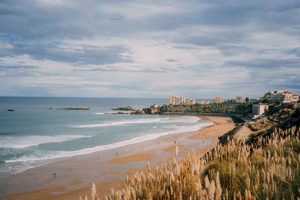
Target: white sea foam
x: 120, y: 123
x: 99, y: 113
x: 143, y: 138
x: 34, y: 140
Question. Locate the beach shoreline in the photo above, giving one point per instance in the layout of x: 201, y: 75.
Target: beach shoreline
x: 109, y: 168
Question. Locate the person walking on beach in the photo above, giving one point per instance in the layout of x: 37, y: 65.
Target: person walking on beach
x: 54, y: 175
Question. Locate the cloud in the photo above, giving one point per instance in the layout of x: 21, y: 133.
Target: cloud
x: 267, y: 63
x: 148, y: 48
x: 83, y: 54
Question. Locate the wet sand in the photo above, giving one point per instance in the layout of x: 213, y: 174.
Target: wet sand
x: 172, y: 148
x: 221, y: 125
x: 107, y: 169
x: 143, y: 157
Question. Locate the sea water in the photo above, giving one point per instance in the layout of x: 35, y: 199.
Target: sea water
x: 39, y: 131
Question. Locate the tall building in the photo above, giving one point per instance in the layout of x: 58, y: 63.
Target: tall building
x: 239, y: 99
x: 219, y: 100
x: 176, y: 100
x: 190, y: 101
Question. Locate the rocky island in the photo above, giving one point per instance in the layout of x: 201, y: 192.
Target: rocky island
x: 74, y: 108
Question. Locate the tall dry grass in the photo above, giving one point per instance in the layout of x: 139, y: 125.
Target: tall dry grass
x: 266, y: 169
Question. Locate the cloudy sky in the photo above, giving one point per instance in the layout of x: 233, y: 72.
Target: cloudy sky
x: 197, y: 48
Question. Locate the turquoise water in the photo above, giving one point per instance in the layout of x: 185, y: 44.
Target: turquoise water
x: 35, y: 134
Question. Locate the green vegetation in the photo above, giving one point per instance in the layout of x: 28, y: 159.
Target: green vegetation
x: 126, y: 108
x: 226, y: 108
x: 278, y: 116
x: 270, y: 172
x: 224, y: 139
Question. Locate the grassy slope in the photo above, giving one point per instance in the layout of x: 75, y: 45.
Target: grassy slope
x: 265, y: 167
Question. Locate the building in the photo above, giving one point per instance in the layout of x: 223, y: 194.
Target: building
x: 289, y: 97
x: 176, y: 100
x: 189, y: 101
x: 239, y: 99
x: 280, y: 97
x: 219, y: 100
x: 259, y: 109
x: 275, y: 96
x: 203, y: 102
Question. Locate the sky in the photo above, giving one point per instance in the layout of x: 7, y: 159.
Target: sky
x: 157, y: 48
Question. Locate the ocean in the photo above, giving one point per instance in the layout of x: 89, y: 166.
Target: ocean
x: 38, y: 131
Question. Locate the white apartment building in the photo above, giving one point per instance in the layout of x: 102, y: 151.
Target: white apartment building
x: 259, y: 109
x: 177, y: 100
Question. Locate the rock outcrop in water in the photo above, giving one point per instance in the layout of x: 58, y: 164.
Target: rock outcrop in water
x: 126, y: 108
x: 74, y: 108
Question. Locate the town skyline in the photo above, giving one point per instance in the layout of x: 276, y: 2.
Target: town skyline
x: 282, y: 96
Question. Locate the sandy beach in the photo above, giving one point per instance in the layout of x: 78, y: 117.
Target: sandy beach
x: 107, y: 169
